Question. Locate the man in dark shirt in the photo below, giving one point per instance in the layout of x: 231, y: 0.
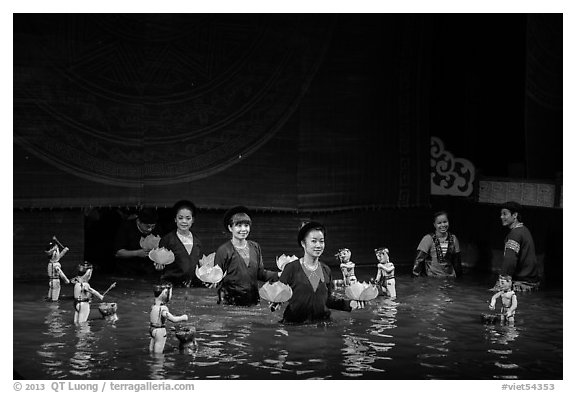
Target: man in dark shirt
x: 520, y: 260
x: 130, y: 257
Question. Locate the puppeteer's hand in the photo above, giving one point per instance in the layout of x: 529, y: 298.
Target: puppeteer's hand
x: 357, y: 304
x: 274, y: 306
x: 142, y: 253
x: 158, y: 266
x: 491, y: 306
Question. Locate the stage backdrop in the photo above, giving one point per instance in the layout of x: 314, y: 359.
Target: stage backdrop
x: 277, y: 112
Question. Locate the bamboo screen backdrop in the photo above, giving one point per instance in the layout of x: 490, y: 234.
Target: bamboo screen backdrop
x: 287, y: 112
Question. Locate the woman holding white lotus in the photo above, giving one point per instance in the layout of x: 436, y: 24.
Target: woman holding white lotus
x: 311, y: 281
x: 186, y: 247
x: 241, y: 261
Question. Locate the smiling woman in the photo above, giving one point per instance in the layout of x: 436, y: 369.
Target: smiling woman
x: 241, y: 261
x: 438, y: 252
x: 186, y: 247
x: 311, y: 281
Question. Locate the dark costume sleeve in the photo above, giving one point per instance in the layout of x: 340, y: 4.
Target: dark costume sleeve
x: 419, y: 268
x: 333, y: 302
x: 182, y: 270
x: 307, y: 304
x: 511, y: 253
x: 457, y: 258
x: 128, y: 238
x: 240, y: 284
x: 264, y: 274
x: 221, y: 258
x: 422, y: 255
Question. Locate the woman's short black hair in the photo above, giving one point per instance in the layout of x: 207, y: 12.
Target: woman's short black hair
x: 236, y: 210
x: 307, y: 228
x: 184, y: 204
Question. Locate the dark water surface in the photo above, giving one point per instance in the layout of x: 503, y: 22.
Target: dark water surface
x: 432, y: 331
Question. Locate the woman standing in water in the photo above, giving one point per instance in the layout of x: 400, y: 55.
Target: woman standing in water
x: 438, y: 252
x: 241, y: 261
x: 185, y: 245
x: 311, y: 281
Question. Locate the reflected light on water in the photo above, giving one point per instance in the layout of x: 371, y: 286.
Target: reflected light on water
x: 433, y: 330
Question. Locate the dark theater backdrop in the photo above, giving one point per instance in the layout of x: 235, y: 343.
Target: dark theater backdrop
x: 296, y: 116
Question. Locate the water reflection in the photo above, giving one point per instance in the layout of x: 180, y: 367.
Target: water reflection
x: 359, y: 356
x: 363, y: 353
x: 434, y: 304
x: 51, y: 351
x: 82, y: 358
x: 502, y: 335
x: 382, y: 325
x: 159, y: 366
x: 54, y: 321
x: 423, y: 334
x: 385, y: 318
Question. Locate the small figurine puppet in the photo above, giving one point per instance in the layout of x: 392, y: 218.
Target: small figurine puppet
x: 158, y: 316
x: 55, y: 272
x: 83, y: 292
x: 508, y: 298
x: 385, y: 277
x: 346, y: 265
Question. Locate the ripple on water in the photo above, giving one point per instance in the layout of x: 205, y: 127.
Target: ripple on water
x: 438, y: 366
x: 500, y: 351
x: 424, y: 331
x: 204, y: 364
x: 431, y: 355
x: 52, y: 364
x: 302, y: 372
x: 215, y: 343
x: 506, y: 366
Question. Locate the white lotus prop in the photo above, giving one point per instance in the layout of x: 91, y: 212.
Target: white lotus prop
x: 210, y: 274
x: 161, y: 256
x: 150, y: 242
x: 277, y: 292
x: 361, y: 291
x: 207, y: 260
x: 282, y: 260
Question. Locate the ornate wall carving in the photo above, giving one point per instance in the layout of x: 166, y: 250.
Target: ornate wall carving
x: 449, y: 175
